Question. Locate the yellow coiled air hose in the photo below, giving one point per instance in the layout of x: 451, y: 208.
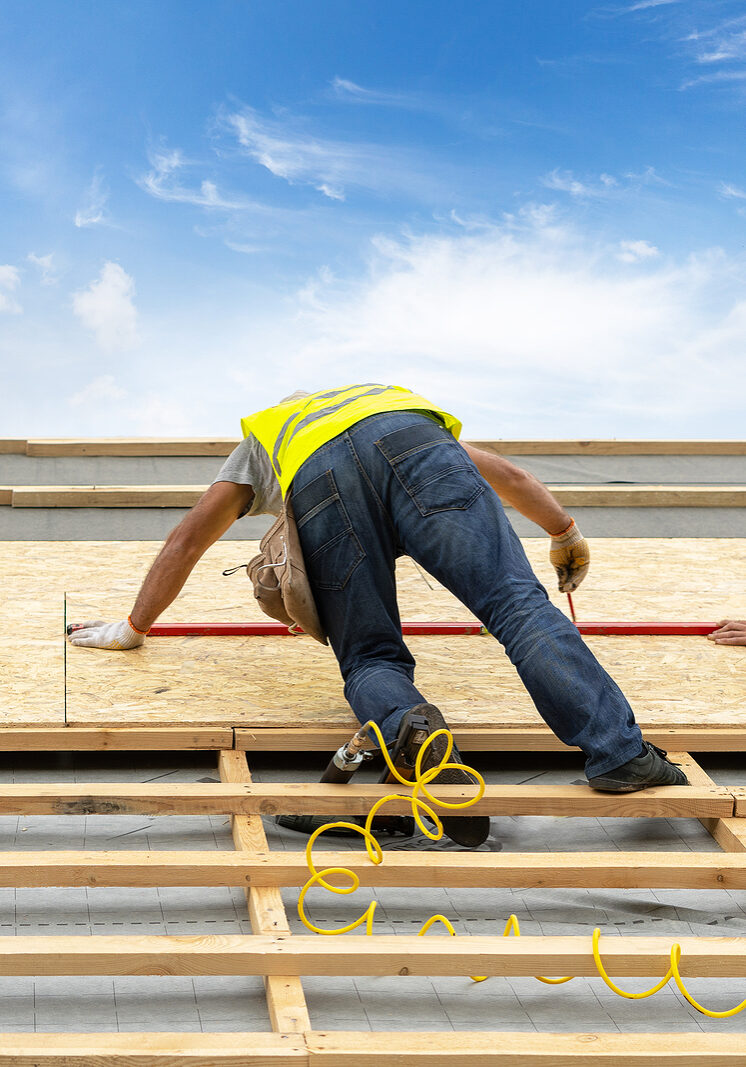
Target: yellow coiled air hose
x: 419, y: 785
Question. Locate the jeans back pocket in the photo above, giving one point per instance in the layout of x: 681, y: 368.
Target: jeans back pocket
x: 432, y: 467
x: 331, y: 549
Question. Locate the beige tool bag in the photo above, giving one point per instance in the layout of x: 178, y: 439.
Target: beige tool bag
x: 279, y: 577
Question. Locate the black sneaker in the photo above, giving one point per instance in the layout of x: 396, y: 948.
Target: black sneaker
x: 651, y: 767
x: 467, y: 830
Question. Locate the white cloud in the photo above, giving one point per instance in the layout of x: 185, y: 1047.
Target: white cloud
x: 731, y: 192
x: 92, y: 213
x: 330, y: 166
x: 720, y: 76
x: 10, y: 279
x: 643, y: 5
x: 101, y: 390
x: 107, y: 308
x: 532, y: 328
x: 636, y: 251
x: 564, y: 181
x: 163, y: 182
x: 46, y: 267
x: 725, y: 42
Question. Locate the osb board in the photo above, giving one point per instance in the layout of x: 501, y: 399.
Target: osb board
x: 31, y: 649
x: 274, y: 681
x: 294, y: 681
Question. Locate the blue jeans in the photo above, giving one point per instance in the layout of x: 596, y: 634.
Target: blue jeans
x: 398, y: 483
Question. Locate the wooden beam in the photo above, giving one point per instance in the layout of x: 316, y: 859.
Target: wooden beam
x: 286, y: 1001
x: 650, y: 496
x: 106, y: 496
x: 491, y: 1049
x: 614, y: 448
x: 337, y: 1048
x: 294, y: 798
x: 6, y: 495
x: 115, y: 739
x: 487, y: 738
x: 184, y: 496
x: 130, y: 446
x: 152, y: 1050
x: 730, y: 834
x: 222, y: 446
x: 500, y: 1049
x: 12, y: 446
x: 257, y: 867
x: 383, y: 955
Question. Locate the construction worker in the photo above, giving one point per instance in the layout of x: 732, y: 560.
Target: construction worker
x: 729, y: 632
x: 377, y: 472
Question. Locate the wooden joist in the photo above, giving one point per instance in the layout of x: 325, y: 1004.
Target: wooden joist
x: 499, y: 1049
x: 614, y: 448
x: 130, y: 446
x: 311, y: 798
x: 185, y: 496
x: 263, y: 870
x: 154, y: 1050
x: 286, y: 1001
x: 115, y: 739
x: 537, y: 738
x: 339, y: 1048
x: 105, y: 496
x: 355, y: 955
x: 222, y: 446
x: 328, y: 739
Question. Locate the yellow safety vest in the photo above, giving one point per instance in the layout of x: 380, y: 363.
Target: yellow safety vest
x: 293, y: 431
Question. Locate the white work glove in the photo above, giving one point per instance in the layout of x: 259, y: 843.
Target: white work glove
x: 570, y: 556
x: 100, y: 634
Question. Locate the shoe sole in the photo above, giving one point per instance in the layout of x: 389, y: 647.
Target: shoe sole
x: 629, y: 788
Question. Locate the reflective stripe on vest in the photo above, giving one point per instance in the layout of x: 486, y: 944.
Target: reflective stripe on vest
x: 293, y: 431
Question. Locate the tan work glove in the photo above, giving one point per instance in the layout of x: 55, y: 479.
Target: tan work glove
x: 570, y: 556
x: 118, y: 636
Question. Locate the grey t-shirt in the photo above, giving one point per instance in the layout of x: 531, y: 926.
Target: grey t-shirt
x: 249, y: 465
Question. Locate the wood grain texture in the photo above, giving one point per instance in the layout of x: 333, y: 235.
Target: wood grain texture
x: 303, y: 798
x: 130, y: 446
x: 614, y: 448
x: 382, y: 955
x: 286, y: 1001
x: 262, y: 872
x: 106, y: 496
x: 185, y: 496
x: 486, y: 739
x: 490, y: 1049
x: 152, y: 1050
x: 222, y: 446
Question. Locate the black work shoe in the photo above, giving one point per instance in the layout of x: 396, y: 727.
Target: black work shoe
x: 652, y: 767
x: 467, y: 830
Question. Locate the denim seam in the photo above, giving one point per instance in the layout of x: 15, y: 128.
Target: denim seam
x: 364, y: 474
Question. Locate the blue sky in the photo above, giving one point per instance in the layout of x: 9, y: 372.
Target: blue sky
x: 532, y: 212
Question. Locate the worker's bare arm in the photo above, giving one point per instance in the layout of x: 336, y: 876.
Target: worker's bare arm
x: 569, y: 553
x: 211, y: 516
x: 215, y: 511
x: 729, y: 632
x: 520, y: 490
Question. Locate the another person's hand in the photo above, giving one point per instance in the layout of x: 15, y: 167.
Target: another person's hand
x: 570, y: 556
x: 118, y: 636
x: 729, y: 632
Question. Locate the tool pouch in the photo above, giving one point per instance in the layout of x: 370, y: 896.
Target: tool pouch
x: 278, y: 574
